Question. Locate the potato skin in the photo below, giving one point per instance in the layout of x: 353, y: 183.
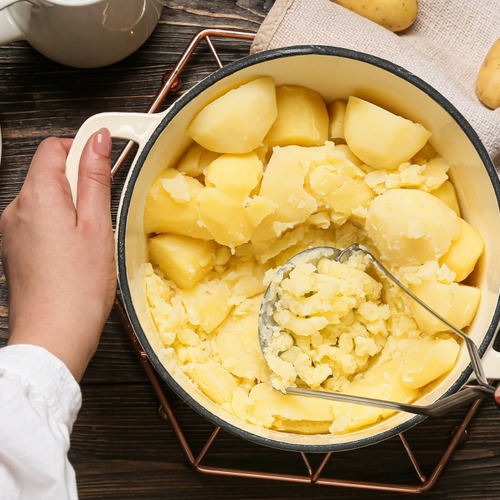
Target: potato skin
x: 395, y: 15
x: 488, y: 78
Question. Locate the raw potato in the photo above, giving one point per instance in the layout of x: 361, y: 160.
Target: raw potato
x: 302, y: 118
x: 395, y: 15
x: 380, y: 138
x: 488, y: 78
x: 238, y: 121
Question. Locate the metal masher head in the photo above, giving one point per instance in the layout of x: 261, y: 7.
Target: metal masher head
x: 268, y: 326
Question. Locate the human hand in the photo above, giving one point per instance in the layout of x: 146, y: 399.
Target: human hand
x: 58, y: 259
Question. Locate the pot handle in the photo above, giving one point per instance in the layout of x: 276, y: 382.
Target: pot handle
x: 136, y: 127
x: 491, y: 363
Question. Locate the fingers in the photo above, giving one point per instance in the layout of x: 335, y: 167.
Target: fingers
x: 94, y: 177
x: 49, y: 164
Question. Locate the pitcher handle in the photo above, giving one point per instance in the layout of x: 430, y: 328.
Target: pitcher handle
x: 136, y: 127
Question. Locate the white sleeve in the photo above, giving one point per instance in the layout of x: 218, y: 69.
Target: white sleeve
x: 39, y: 402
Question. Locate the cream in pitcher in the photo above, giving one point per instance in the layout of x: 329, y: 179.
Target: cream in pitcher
x: 80, y: 33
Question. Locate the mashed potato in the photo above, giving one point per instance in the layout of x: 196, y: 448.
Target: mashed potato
x: 237, y: 217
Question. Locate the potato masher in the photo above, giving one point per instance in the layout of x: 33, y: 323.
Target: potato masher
x: 312, y: 255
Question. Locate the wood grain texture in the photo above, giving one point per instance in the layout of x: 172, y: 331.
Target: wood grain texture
x: 121, y: 446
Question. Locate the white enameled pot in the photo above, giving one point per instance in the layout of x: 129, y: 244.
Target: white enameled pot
x: 335, y: 73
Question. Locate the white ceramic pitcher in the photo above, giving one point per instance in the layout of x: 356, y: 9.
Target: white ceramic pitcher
x: 80, y: 33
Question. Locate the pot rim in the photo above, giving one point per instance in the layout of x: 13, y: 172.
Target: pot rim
x: 121, y: 228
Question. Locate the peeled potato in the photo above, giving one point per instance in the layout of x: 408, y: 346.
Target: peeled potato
x: 488, y: 78
x: 448, y: 194
x: 336, y: 111
x: 380, y: 138
x: 182, y: 259
x: 302, y: 118
x: 171, y: 205
x: 238, y: 121
x: 410, y: 227
x: 455, y: 302
x: 395, y: 15
x: 236, y: 175
x: 464, y: 251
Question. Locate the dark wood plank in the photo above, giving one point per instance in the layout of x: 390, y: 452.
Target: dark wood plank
x: 121, y: 446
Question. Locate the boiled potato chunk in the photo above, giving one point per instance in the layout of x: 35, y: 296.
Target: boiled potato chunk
x: 213, y: 380
x: 171, y: 205
x: 236, y: 175
x: 195, y: 160
x: 410, y: 227
x: 224, y: 217
x: 427, y: 359
x: 237, y: 121
x: 302, y: 118
x: 207, y: 304
x: 447, y: 194
x: 454, y: 302
x: 395, y: 15
x: 283, y: 183
x: 349, y: 154
x: 380, y: 138
x: 182, y: 259
x: 336, y: 111
x: 464, y: 252
x: 237, y: 342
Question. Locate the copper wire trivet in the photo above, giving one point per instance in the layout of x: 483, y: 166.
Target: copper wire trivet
x: 312, y: 474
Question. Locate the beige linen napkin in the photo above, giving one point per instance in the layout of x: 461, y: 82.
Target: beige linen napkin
x: 444, y: 47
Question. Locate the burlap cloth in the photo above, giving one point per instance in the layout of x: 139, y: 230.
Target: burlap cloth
x: 444, y: 47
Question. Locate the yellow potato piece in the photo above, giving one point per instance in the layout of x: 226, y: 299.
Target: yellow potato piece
x: 235, y: 175
x: 464, y: 252
x: 207, y: 304
x: 213, y: 380
x: 380, y: 138
x: 195, y: 160
x: 336, y: 112
x: 455, y: 302
x: 224, y: 217
x: 171, y: 206
x: 182, y: 259
x: 395, y: 15
x: 447, y: 194
x: 427, y: 359
x: 283, y: 183
x: 238, y: 121
x: 238, y: 345
x: 302, y: 118
x: 349, y: 154
x: 405, y: 240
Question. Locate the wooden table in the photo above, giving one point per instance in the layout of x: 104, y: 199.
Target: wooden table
x: 121, y: 445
